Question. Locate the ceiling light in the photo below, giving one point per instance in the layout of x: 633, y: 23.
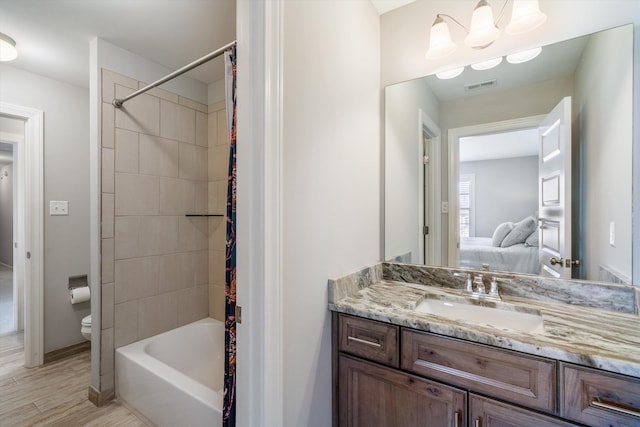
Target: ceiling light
x: 440, y: 43
x: 486, y: 65
x: 449, y: 74
x: 524, y: 56
x: 483, y: 30
x: 526, y: 16
x: 8, y: 50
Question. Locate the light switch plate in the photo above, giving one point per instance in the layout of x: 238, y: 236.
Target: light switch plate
x: 445, y: 207
x: 58, y: 207
x: 612, y: 233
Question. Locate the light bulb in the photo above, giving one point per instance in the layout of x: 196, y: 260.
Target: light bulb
x: 524, y: 56
x: 440, y: 43
x: 486, y: 65
x: 449, y: 74
x: 8, y: 51
x: 525, y: 16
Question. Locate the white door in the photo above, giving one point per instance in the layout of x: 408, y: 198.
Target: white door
x: 426, y: 226
x: 554, y: 186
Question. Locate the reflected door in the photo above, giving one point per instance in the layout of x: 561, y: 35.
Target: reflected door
x: 554, y: 185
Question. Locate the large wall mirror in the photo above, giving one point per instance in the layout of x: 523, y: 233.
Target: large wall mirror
x: 523, y: 168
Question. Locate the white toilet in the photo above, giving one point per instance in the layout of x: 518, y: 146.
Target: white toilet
x: 85, y: 330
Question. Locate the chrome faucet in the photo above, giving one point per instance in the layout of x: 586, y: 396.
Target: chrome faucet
x: 480, y: 290
x: 477, y: 280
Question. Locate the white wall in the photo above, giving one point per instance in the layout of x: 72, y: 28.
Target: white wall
x: 66, y: 175
x: 402, y: 159
x: 505, y: 190
x: 603, y: 95
x: 331, y: 206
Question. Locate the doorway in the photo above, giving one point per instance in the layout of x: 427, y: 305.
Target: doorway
x: 27, y: 226
x: 9, y: 309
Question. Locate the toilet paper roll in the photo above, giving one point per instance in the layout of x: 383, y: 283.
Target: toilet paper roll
x: 79, y: 295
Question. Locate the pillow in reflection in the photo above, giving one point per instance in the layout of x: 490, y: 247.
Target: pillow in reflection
x: 532, y: 240
x: 501, y: 232
x: 520, y: 232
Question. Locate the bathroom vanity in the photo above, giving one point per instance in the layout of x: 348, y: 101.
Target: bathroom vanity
x: 412, y: 347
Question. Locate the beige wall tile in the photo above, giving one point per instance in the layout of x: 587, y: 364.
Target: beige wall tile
x: 119, y: 79
x: 126, y: 231
x: 126, y: 151
x: 107, y: 382
x: 201, y: 268
x: 107, y: 260
x: 140, y: 114
x: 106, y: 301
x: 106, y: 351
x: 217, y: 233
x: 160, y: 93
x: 201, y: 129
x: 157, y: 314
x: 220, y: 163
x: 171, y: 276
x: 217, y: 267
x: 193, y: 162
x: 193, y: 234
x: 192, y: 104
x: 137, y: 194
x: 125, y: 323
x: 193, y: 304
x: 212, y: 129
x: 108, y: 125
x: 158, y: 156
x: 220, y: 105
x: 158, y: 235
x: 107, y: 166
x: 177, y: 122
x: 178, y: 197
x: 223, y: 135
x: 217, y: 302
x: 201, y: 191
x: 108, y: 209
x: 136, y: 278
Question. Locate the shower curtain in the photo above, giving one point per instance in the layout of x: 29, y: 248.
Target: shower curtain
x: 229, y: 408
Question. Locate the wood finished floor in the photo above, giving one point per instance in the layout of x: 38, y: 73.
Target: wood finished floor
x: 54, y: 394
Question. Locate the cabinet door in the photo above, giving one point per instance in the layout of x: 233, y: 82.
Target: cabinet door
x: 484, y: 412
x: 372, y: 395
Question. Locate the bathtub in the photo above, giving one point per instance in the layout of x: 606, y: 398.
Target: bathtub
x: 175, y: 378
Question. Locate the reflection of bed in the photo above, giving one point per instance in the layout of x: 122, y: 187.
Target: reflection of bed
x: 478, y: 253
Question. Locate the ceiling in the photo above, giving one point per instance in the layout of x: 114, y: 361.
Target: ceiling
x: 503, y: 145
x: 53, y: 36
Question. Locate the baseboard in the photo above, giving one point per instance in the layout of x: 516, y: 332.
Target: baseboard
x: 101, y: 398
x: 62, y: 353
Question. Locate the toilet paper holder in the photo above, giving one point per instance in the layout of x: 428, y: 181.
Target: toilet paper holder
x: 78, y: 281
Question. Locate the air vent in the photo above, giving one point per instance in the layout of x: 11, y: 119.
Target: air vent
x: 482, y: 85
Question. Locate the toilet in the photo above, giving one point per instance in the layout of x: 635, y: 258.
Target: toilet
x: 85, y: 330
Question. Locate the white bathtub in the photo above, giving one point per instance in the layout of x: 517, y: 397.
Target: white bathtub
x: 175, y: 378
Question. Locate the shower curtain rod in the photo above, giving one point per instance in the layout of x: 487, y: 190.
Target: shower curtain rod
x: 118, y: 102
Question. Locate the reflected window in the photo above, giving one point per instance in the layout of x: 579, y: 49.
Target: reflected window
x: 466, y: 203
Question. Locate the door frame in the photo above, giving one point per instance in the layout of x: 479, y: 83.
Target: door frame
x: 30, y: 226
x: 453, y: 137
x: 429, y: 196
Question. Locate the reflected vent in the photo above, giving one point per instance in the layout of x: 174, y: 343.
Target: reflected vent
x: 482, y: 85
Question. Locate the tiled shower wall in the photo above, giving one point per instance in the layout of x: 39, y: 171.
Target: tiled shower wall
x: 218, y: 172
x: 160, y: 269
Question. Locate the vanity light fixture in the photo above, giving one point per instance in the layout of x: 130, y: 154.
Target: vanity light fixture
x: 524, y: 56
x: 8, y: 51
x: 449, y: 74
x: 525, y: 16
x: 487, y: 65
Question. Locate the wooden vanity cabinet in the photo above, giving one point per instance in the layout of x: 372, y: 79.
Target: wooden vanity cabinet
x: 599, y: 398
x: 385, y: 375
x: 484, y: 412
x: 376, y: 396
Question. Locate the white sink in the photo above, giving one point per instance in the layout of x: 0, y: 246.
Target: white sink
x: 496, y: 317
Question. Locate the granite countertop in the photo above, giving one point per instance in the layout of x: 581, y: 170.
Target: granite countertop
x: 601, y: 338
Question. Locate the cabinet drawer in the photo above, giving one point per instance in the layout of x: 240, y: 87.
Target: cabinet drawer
x: 484, y: 412
x: 369, y: 339
x: 511, y: 376
x: 376, y: 396
x: 597, y: 398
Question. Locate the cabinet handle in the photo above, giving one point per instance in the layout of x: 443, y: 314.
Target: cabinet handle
x: 478, y: 423
x: 456, y: 419
x: 367, y: 342
x: 615, y: 408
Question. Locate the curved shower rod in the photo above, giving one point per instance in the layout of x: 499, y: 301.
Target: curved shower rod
x: 118, y: 102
